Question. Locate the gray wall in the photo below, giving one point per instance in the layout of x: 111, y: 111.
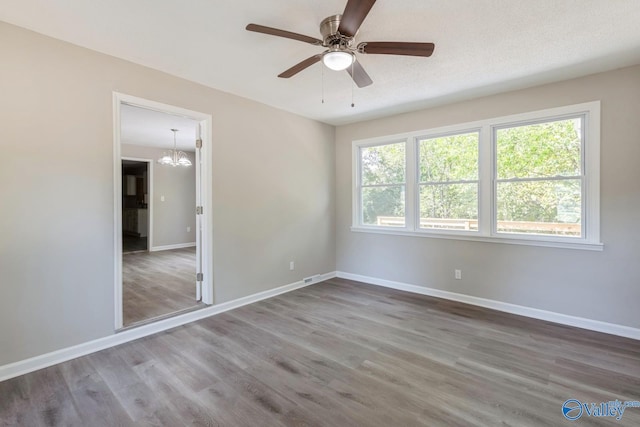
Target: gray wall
x: 273, y: 190
x: 172, y: 216
x: 597, y: 285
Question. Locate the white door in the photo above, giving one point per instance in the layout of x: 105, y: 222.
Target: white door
x: 199, y: 213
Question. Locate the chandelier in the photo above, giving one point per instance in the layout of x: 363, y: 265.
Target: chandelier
x: 174, y: 157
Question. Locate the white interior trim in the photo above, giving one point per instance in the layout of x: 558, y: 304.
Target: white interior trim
x: 49, y: 359
x: 535, y: 313
x: 206, y: 174
x: 169, y: 247
x: 474, y: 237
x: 117, y: 212
x: 206, y: 200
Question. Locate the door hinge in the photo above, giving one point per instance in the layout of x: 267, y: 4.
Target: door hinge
x: 199, y: 277
x: 199, y: 210
x: 198, y: 143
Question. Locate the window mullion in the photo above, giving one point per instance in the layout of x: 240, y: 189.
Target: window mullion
x: 485, y: 186
x: 541, y: 179
x: 356, y: 195
x: 462, y: 181
x: 391, y: 184
x: 410, y: 189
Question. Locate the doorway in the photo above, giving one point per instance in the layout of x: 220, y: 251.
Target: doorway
x: 136, y: 178
x: 162, y: 219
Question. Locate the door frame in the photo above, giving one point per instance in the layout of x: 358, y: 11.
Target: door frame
x: 206, y: 184
x: 149, y: 192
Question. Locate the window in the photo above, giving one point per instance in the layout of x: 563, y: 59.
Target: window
x: 382, y: 188
x: 526, y: 179
x: 448, y: 182
x: 539, y: 178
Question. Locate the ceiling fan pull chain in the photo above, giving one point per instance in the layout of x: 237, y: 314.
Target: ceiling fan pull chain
x: 353, y: 83
x: 322, y: 68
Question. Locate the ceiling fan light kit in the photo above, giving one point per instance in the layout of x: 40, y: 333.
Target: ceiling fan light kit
x: 338, y: 36
x: 338, y: 60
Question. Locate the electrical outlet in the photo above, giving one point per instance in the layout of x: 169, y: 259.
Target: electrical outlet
x: 458, y: 274
x: 188, y: 229
x: 292, y: 265
x: 162, y: 198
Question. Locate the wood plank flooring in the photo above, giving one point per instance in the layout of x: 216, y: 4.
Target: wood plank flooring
x: 134, y: 244
x: 157, y: 283
x: 338, y: 353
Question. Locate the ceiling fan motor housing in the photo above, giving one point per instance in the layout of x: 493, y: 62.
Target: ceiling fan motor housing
x: 330, y: 35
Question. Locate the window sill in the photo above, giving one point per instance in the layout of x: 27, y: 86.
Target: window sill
x: 478, y: 238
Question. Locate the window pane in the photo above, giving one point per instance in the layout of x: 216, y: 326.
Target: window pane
x: 383, y: 206
x: 383, y: 164
x: 449, y: 207
x: 449, y: 158
x: 540, y: 207
x: 540, y: 150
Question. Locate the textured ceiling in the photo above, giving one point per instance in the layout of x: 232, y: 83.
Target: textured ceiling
x: 482, y: 46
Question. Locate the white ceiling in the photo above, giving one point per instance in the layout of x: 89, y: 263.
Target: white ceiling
x: 482, y: 46
x: 139, y: 126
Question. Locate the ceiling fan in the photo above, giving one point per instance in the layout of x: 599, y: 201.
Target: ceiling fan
x: 338, y: 36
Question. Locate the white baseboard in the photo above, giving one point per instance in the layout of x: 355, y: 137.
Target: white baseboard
x: 45, y: 360
x: 169, y: 247
x: 535, y: 313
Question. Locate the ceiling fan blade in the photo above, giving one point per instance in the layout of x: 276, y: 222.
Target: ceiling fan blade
x: 282, y: 33
x: 300, y: 66
x: 397, y: 48
x: 353, y: 16
x: 359, y: 75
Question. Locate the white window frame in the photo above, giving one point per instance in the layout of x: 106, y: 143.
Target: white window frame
x: 487, y: 198
x: 408, y: 198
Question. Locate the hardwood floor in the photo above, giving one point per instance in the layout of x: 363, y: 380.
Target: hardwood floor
x: 157, y: 283
x: 338, y: 353
x: 134, y: 244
